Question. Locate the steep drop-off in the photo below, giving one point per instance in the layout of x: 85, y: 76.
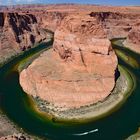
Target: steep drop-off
x: 133, y: 39
x: 19, y: 32
x: 117, y: 24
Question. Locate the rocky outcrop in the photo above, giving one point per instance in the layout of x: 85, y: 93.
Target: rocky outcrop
x: 117, y: 24
x: 24, y: 28
x: 79, y: 70
x: 134, y: 36
x: 15, y: 137
x: 18, y: 32
x: 133, y: 39
x: 50, y: 20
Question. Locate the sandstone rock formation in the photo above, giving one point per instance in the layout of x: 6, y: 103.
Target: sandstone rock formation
x: 133, y: 39
x: 50, y: 20
x: 18, y: 32
x: 79, y: 70
x: 117, y: 24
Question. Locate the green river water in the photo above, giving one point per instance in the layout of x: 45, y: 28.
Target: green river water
x: 116, y: 126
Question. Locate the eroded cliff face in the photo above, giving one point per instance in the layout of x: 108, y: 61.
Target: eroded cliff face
x: 133, y: 39
x: 79, y: 70
x: 21, y: 30
x: 50, y: 20
x: 24, y: 28
x: 18, y: 32
x: 117, y: 24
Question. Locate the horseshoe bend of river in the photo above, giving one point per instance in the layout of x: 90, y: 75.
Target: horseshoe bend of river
x: 117, y: 125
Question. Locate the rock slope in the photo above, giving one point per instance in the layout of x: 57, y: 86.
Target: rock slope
x: 117, y: 24
x: 18, y: 32
x: 133, y: 39
x: 79, y: 70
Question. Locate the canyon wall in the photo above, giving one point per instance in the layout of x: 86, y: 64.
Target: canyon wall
x: 117, y: 24
x: 50, y: 20
x: 133, y: 39
x: 19, y: 32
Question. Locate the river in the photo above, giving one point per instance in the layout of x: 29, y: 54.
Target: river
x: 17, y: 105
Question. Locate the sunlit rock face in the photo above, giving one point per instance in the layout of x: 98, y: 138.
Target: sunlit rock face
x: 21, y: 29
x: 19, y: 32
x: 133, y: 39
x: 79, y: 70
x: 117, y: 24
x: 50, y: 20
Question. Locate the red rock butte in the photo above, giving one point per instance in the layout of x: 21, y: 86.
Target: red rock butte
x: 80, y: 68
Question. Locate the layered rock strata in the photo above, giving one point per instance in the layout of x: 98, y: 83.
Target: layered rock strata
x: 50, y: 20
x: 80, y: 68
x: 22, y: 28
x: 19, y: 32
x: 117, y: 25
x: 133, y: 39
